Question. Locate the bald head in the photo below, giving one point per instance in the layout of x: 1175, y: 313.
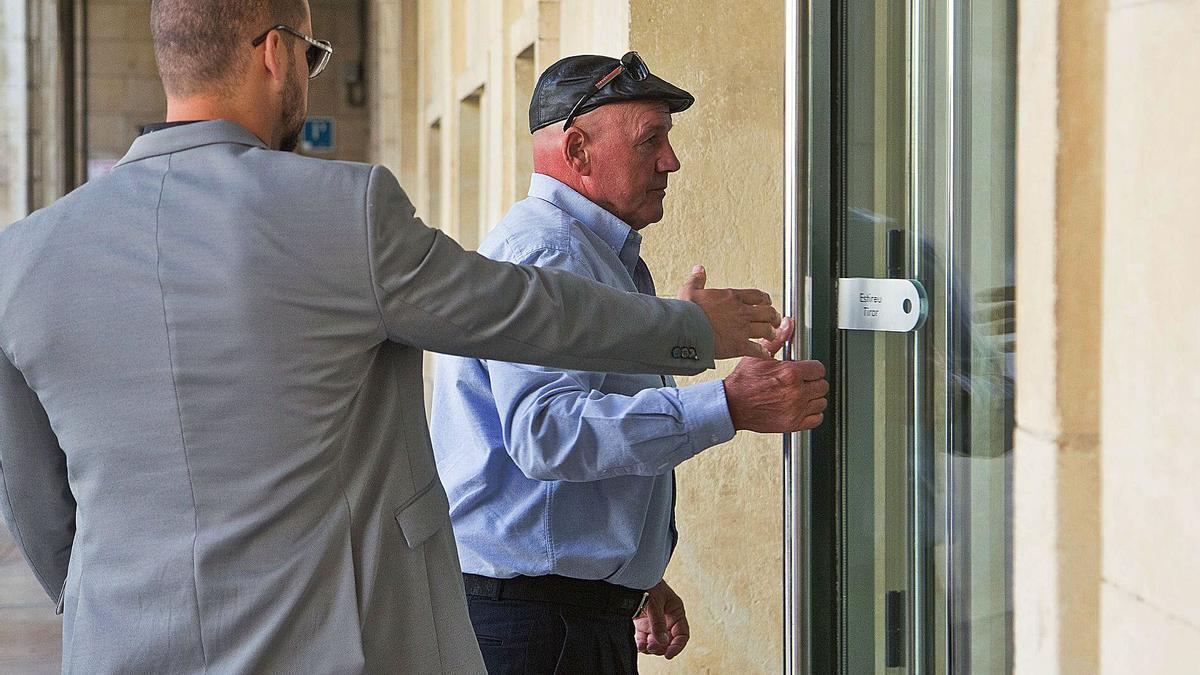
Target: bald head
x: 618, y: 156
x: 202, y: 46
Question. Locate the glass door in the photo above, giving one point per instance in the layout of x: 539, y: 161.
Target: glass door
x: 900, y: 554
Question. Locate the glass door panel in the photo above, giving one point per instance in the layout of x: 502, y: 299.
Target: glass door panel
x: 977, y: 242
x: 874, y: 366
x: 920, y: 135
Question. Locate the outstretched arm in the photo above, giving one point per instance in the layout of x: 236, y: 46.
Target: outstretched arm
x: 559, y: 425
x: 435, y: 296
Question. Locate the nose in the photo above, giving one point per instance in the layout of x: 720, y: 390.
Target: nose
x: 669, y: 161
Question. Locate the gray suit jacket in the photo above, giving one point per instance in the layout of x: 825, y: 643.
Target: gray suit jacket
x: 213, y: 447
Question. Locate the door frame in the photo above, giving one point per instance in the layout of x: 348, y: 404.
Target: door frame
x: 811, y: 465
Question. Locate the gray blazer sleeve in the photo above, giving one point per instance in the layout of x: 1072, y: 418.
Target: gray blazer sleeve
x: 435, y: 296
x: 34, y: 495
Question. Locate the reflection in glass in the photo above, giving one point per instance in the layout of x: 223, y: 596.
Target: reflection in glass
x: 975, y: 499
x: 926, y: 166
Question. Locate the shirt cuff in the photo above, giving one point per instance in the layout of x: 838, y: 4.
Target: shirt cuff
x: 706, y: 414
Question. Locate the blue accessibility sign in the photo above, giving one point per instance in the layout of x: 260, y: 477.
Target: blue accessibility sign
x: 318, y: 134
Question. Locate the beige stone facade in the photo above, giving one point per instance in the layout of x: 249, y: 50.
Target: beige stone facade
x: 1150, y: 362
x: 1107, y: 456
x: 1107, y: 541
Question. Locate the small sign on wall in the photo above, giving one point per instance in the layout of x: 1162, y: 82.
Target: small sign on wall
x: 318, y: 134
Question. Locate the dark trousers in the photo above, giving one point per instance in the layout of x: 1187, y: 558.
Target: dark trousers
x: 521, y: 637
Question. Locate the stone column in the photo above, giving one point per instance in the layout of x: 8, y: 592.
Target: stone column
x: 1060, y: 177
x: 1150, y: 410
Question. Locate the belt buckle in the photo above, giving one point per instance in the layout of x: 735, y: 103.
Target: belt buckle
x: 642, y: 605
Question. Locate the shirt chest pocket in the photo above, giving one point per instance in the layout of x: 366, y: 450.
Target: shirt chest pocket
x: 424, y: 514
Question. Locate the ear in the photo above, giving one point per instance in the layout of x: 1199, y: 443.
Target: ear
x: 275, y: 57
x: 575, y: 151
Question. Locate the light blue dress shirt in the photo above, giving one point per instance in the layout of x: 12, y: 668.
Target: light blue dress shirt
x: 565, y: 472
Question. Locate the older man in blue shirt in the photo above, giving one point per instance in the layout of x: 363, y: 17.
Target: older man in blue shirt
x: 562, y: 483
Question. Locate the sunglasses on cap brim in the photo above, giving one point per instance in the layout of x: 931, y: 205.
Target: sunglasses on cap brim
x: 631, y: 64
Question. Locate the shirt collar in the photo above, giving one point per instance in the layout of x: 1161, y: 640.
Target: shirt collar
x: 620, y: 237
x: 159, y: 126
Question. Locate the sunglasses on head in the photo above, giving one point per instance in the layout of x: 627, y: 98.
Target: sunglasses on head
x: 631, y: 64
x: 318, y: 52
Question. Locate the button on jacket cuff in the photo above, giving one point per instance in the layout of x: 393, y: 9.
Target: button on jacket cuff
x: 706, y: 414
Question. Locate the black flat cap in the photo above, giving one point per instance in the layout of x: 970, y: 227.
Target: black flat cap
x: 565, y: 82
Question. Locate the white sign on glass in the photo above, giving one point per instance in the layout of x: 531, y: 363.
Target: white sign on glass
x: 889, y: 305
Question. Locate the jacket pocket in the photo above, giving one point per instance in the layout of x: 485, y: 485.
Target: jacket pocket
x: 424, y: 514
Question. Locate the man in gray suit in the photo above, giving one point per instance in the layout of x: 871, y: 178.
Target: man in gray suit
x: 213, y: 448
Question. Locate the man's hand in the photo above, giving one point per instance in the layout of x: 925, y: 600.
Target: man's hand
x: 774, y: 397
x: 736, y: 316
x: 662, y: 627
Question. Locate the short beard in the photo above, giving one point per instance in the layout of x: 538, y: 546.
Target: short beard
x: 293, y: 114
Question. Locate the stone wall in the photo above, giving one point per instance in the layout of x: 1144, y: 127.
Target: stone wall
x: 1057, y: 515
x: 1150, y: 370
x: 1107, y: 540
x: 725, y: 211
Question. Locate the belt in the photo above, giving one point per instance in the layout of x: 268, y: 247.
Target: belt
x: 597, y: 595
